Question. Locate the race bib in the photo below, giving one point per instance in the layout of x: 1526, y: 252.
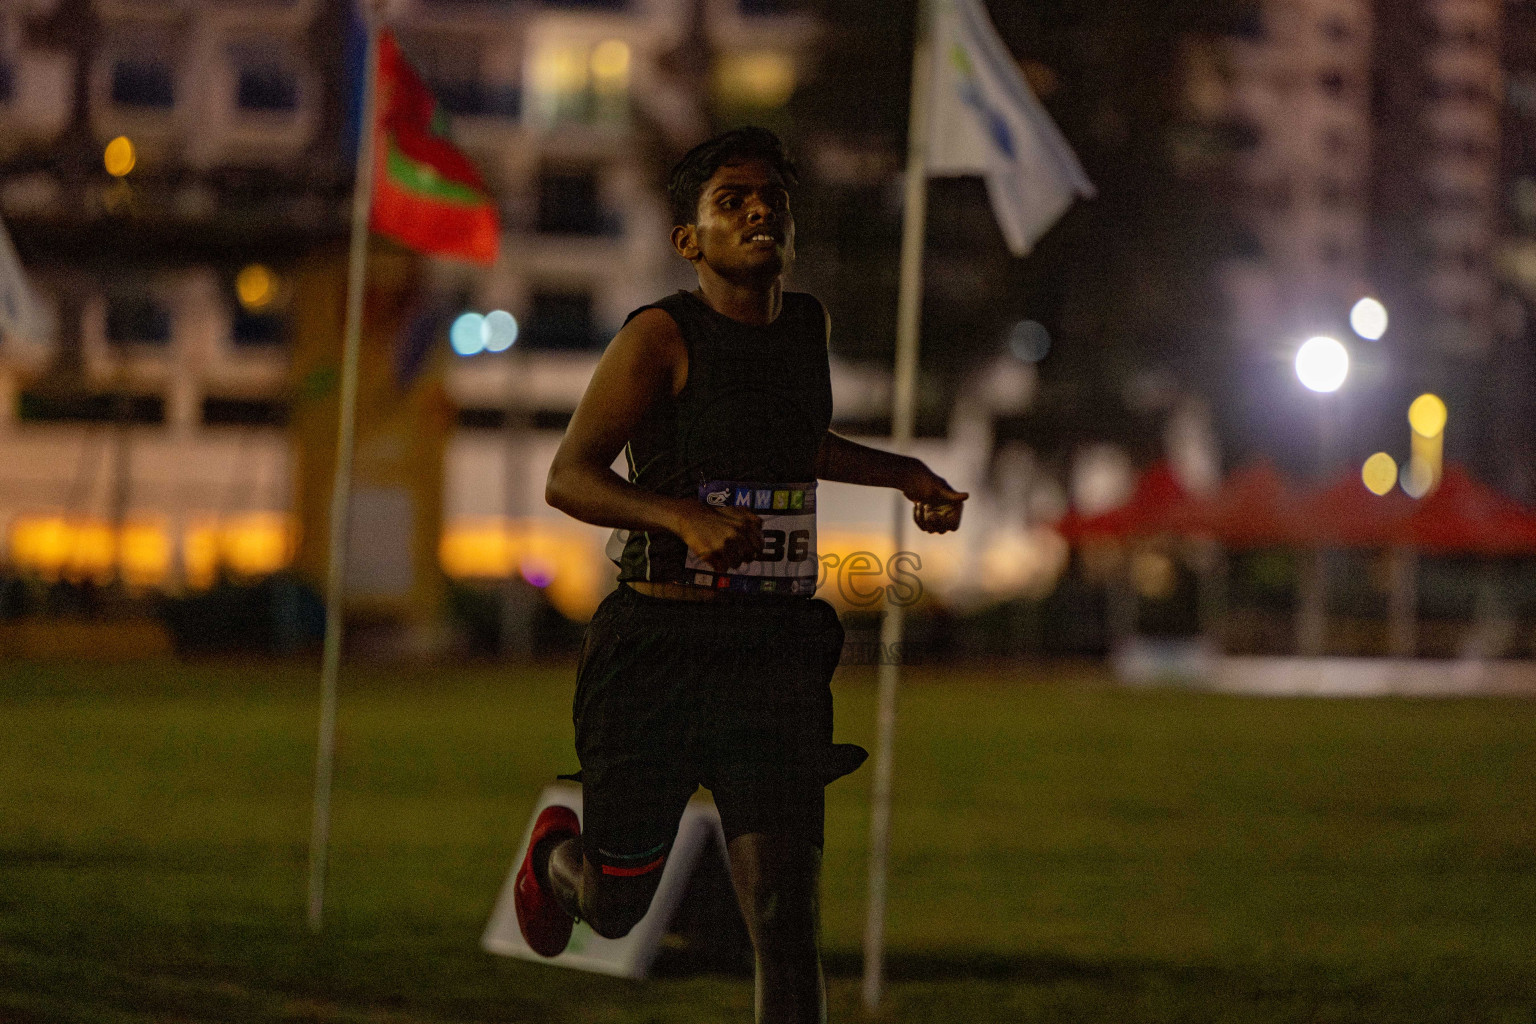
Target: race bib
x: 788, y: 562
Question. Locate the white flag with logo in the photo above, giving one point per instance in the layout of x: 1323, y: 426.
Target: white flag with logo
x: 986, y: 121
x: 20, y: 316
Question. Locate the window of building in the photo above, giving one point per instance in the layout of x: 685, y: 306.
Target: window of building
x: 561, y: 320
x: 257, y: 330
x: 145, y: 410
x: 463, y: 96
x: 1466, y: 35
x: 7, y: 81
x: 771, y: 7
x: 137, y: 319
x: 579, y: 81
x: 1248, y: 20
x: 569, y: 204
x: 755, y: 79
x: 1336, y: 193
x: 1336, y: 29
x: 1334, y: 83
x: 245, y: 412
x: 143, y: 82
x: 267, y: 88
x: 1454, y: 199
x: 1337, y: 142
x: 1464, y: 92
x: 1466, y: 148
x: 589, y: 5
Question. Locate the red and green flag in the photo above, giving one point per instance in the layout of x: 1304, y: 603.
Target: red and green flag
x: 427, y: 195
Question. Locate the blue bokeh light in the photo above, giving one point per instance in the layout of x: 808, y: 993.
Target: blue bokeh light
x: 500, y: 330
x: 467, y: 336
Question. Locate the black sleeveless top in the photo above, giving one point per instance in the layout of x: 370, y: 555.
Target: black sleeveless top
x: 755, y: 407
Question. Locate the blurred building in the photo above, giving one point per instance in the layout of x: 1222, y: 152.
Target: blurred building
x: 147, y: 434
x: 1384, y: 155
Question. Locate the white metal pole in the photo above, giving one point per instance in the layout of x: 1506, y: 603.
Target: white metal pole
x: 909, y: 309
x: 341, y: 483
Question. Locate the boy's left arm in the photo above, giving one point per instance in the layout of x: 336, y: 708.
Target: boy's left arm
x: 936, y: 505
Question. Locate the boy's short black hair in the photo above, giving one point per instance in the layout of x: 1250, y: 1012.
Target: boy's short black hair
x: 701, y: 162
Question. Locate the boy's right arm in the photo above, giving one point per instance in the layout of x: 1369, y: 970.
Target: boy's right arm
x: 645, y: 363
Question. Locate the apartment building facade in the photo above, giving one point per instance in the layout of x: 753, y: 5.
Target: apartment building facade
x: 144, y: 435
x: 1384, y: 158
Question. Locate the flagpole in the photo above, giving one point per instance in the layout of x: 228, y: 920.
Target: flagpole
x: 909, y: 308
x: 341, y: 483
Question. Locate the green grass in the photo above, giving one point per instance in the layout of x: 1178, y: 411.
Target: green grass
x: 1061, y: 853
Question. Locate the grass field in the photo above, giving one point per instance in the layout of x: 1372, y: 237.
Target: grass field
x: 1061, y: 853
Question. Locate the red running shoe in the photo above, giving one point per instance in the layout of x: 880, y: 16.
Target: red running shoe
x: 545, y: 925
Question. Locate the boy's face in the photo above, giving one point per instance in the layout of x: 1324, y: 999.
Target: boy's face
x: 744, y: 230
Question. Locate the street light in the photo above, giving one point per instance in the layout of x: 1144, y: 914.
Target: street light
x: 1369, y: 319
x: 1322, y: 363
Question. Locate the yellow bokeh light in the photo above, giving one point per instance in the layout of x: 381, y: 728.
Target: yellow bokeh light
x: 765, y: 78
x: 255, y: 287
x: 120, y: 156
x: 1154, y: 575
x: 560, y: 69
x: 563, y: 561
x: 1427, y: 416
x: 144, y: 554
x: 1379, y: 473
x: 41, y: 545
x: 610, y: 62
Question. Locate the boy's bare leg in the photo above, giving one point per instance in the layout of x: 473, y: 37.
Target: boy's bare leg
x: 778, y: 880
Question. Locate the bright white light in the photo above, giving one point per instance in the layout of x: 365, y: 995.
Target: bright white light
x: 500, y: 330
x: 1322, y: 363
x: 1369, y: 319
x: 467, y: 335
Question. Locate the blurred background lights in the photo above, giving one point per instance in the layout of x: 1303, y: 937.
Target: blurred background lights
x: 1369, y: 319
x: 119, y: 156
x: 1322, y: 363
x: 761, y: 78
x: 1418, y: 478
x: 467, y: 335
x: 1029, y: 340
x: 1379, y: 473
x: 610, y: 61
x: 1427, y: 416
x: 500, y: 330
x: 1154, y: 575
x: 255, y: 287
x: 537, y: 571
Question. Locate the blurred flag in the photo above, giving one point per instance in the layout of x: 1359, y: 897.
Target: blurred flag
x: 19, y: 312
x: 427, y: 195
x: 986, y: 121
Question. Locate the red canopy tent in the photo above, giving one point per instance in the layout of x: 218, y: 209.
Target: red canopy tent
x: 1463, y: 515
x: 1158, y: 496
x: 1253, y: 509
x: 1345, y: 514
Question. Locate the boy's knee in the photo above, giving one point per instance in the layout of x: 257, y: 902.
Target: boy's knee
x: 786, y: 924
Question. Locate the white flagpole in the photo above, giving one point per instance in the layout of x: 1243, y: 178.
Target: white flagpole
x: 341, y: 483
x: 909, y: 308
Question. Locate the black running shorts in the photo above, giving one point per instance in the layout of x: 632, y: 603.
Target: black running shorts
x: 732, y: 694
